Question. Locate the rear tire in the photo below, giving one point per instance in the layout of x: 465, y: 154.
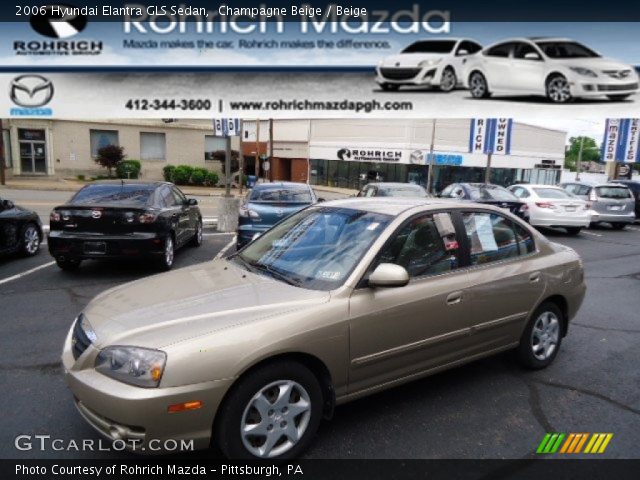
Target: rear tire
x: 245, y: 409
x: 618, y: 98
x: 30, y: 240
x: 542, y: 337
x: 165, y: 262
x: 618, y: 226
x: 573, y: 230
x: 68, y: 264
x: 196, y: 241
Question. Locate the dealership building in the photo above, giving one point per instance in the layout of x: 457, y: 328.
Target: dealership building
x: 345, y: 153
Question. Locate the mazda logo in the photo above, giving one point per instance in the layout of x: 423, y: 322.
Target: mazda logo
x: 96, y: 214
x: 344, y: 154
x: 31, y: 91
x: 55, y: 24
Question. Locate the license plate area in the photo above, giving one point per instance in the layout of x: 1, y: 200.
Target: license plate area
x: 95, y: 248
x: 615, y: 207
x: 570, y: 209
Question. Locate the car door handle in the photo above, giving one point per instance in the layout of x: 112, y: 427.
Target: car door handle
x: 454, y: 298
x: 534, y: 277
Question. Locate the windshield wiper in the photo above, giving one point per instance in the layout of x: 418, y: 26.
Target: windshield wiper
x: 277, y: 274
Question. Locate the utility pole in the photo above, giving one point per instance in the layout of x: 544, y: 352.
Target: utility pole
x: 579, y: 162
x: 241, y: 158
x: 487, y: 173
x: 431, y: 149
x: 271, y: 150
x: 257, y: 172
x: 227, y: 165
x: 2, y: 162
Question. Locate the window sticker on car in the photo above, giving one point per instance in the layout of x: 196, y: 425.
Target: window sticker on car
x: 484, y: 231
x: 373, y: 226
x: 329, y: 275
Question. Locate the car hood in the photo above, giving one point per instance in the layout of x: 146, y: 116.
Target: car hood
x: 190, y: 302
x: 410, y: 59
x: 597, y: 63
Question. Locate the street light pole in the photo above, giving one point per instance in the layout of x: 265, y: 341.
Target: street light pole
x: 579, y: 162
x: 2, y: 163
x: 431, y: 149
x: 487, y: 173
x: 241, y: 157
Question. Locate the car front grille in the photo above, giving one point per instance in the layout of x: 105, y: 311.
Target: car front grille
x: 618, y: 88
x: 79, y: 340
x: 399, y: 73
x: 619, y: 74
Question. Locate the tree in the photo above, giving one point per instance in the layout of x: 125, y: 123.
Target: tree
x: 590, y: 152
x: 110, y: 156
x: 220, y: 156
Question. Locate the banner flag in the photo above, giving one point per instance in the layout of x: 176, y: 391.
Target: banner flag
x: 491, y: 135
x: 226, y: 127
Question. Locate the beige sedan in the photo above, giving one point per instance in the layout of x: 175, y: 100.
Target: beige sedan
x: 340, y: 300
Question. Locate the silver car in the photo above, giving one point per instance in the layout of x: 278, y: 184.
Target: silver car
x: 612, y: 203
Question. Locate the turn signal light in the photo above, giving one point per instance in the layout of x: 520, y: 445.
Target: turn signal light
x: 54, y: 217
x: 181, y: 407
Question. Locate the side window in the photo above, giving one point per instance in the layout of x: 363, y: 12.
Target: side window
x: 427, y: 245
x: 491, y: 237
x: 522, y: 49
x: 501, y: 50
x: 447, y: 191
x: 525, y: 240
x: 470, y: 47
x: 520, y: 192
x: 179, y: 197
x: 570, y: 188
x: 167, y: 197
x: 582, y: 190
x: 370, y: 192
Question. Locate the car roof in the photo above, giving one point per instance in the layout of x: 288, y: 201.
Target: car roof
x: 550, y: 39
x: 537, y: 185
x: 480, y: 185
x: 270, y: 185
x: 129, y: 182
x: 394, y: 206
x: 393, y: 184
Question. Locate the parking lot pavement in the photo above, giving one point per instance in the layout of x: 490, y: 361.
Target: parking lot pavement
x: 488, y: 409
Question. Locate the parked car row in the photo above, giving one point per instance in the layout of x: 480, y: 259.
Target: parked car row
x: 559, y: 68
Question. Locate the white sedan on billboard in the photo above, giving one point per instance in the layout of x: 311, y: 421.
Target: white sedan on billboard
x: 436, y: 63
x: 549, y: 206
x: 558, y: 68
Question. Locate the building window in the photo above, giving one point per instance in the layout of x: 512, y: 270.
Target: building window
x: 102, y: 138
x: 213, y: 144
x: 153, y: 146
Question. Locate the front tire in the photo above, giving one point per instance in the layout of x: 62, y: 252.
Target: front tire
x: 541, y: 339
x: 31, y: 240
x: 618, y: 226
x: 573, y: 230
x: 272, y: 412
x: 448, y: 81
x: 478, y: 86
x: 558, y: 89
x: 196, y: 241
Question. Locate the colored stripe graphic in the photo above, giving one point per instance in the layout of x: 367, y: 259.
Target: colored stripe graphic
x: 598, y: 443
x: 573, y: 443
x: 550, y: 443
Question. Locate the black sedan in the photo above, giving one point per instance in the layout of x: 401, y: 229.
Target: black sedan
x: 124, y: 219
x: 20, y: 230
x: 486, y: 193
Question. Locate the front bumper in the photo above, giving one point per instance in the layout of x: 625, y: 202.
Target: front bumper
x: 87, y: 246
x: 139, y: 416
x: 597, y: 87
x: 408, y: 75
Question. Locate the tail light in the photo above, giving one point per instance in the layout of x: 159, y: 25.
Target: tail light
x: 54, y: 217
x: 147, y: 218
x: 523, y: 208
x: 247, y: 213
x: 548, y: 205
x: 592, y: 195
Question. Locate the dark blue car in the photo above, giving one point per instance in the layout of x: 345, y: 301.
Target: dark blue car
x: 267, y: 204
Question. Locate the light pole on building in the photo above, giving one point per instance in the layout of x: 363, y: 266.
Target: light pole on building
x: 2, y: 162
x: 431, y: 150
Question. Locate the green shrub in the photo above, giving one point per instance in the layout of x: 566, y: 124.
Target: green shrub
x: 81, y: 178
x: 199, y: 176
x: 128, y: 169
x: 211, y: 179
x: 167, y: 173
x: 182, y: 174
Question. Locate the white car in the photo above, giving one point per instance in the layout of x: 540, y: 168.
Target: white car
x: 437, y: 63
x: 549, y: 206
x: 558, y: 68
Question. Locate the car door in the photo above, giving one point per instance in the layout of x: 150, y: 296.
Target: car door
x: 186, y: 222
x: 497, y: 61
x: 464, y: 51
x: 397, y: 332
x: 9, y: 227
x: 504, y: 278
x: 527, y: 69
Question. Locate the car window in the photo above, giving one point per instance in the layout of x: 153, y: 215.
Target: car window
x: 491, y: 237
x: 501, y: 50
x: 286, y: 194
x: 410, y: 191
x: 431, y: 46
x: 167, y: 198
x: 453, y: 191
x: 370, y: 192
x: 178, y: 196
x: 470, y: 47
x: 525, y: 240
x: 427, y: 245
x: 520, y: 192
x: 114, y: 194
x: 552, y: 193
x: 613, y: 192
x: 488, y: 192
x: 522, y: 49
x: 566, y: 50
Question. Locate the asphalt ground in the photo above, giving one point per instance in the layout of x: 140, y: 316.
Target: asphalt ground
x: 487, y: 409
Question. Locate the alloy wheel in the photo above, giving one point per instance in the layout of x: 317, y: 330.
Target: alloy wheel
x: 478, y: 85
x: 31, y: 240
x: 545, y: 335
x: 558, y: 90
x: 275, y: 419
x: 168, y: 252
x: 199, y: 233
x: 448, y: 80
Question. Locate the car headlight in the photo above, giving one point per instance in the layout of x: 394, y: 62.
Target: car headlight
x: 429, y: 63
x: 584, y: 72
x: 142, y: 367
x: 87, y: 328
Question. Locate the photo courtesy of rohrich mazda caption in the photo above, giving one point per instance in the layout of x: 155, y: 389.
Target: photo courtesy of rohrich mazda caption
x: 435, y: 63
x: 250, y: 352
x: 124, y: 219
x: 558, y: 68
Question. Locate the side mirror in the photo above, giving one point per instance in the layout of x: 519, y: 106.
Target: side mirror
x: 7, y: 204
x: 462, y: 52
x: 192, y: 202
x: 321, y: 200
x: 389, y: 275
x: 532, y: 56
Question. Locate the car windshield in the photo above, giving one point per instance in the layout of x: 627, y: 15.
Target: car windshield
x: 281, y: 195
x: 613, y: 192
x: 402, y: 191
x: 431, y: 46
x: 116, y: 194
x: 552, y: 193
x: 491, y: 193
x: 317, y: 248
x: 566, y: 50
